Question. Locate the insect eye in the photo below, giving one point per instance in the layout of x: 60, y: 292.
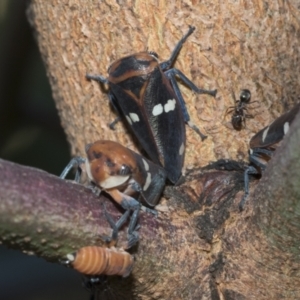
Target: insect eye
x: 124, y: 170
x: 245, y: 96
x: 153, y: 54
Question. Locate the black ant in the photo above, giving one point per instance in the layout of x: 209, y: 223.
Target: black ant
x: 238, y: 118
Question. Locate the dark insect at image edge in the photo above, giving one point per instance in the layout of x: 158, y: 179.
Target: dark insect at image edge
x: 262, y: 146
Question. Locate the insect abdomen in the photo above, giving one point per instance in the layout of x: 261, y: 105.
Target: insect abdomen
x: 93, y: 260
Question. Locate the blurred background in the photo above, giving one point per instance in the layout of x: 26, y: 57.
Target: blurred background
x: 30, y: 134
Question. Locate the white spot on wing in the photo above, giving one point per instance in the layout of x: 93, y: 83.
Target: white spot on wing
x: 146, y: 165
x: 286, y: 127
x: 157, y: 110
x: 170, y: 105
x: 265, y: 133
x: 128, y: 120
x: 148, y: 181
x: 113, y: 181
x: 181, y: 149
x: 134, y: 117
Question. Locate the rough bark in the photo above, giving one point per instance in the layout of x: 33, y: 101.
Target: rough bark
x: 202, y: 247
x: 246, y: 44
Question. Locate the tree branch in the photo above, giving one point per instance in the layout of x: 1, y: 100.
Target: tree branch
x: 42, y: 214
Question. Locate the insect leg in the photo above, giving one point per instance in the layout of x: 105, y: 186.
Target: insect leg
x: 98, y: 78
x: 230, y: 109
x: 249, y: 116
x: 183, y: 106
x: 262, y: 150
x: 249, y: 170
x: 233, y: 96
x: 112, y: 124
x: 168, y: 63
x: 114, y: 104
x: 172, y: 72
x: 75, y: 162
x: 102, y: 79
x: 115, y: 226
x: 124, y: 200
x: 129, y: 204
x: 133, y: 235
x: 111, y: 98
x: 254, y: 156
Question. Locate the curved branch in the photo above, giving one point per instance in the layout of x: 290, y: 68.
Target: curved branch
x: 43, y: 214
